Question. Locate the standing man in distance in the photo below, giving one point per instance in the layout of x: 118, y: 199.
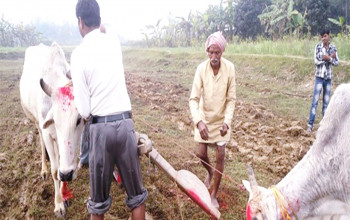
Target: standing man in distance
x: 100, y: 91
x: 325, y: 56
x: 212, y: 104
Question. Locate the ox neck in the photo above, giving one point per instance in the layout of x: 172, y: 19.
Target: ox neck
x: 306, y: 183
x: 286, y: 210
x: 293, y: 186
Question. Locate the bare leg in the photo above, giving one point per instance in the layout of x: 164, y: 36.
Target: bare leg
x: 203, y: 155
x: 97, y: 217
x: 220, y: 157
x: 138, y: 213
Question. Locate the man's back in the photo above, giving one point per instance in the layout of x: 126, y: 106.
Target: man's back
x: 99, y: 64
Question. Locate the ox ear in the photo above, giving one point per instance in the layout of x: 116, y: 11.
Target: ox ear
x: 46, y: 88
x: 246, y: 185
x: 49, y: 119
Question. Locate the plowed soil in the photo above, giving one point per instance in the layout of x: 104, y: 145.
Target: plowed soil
x: 273, y: 143
x: 257, y: 135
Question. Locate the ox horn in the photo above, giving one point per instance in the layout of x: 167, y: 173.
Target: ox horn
x: 252, y: 180
x: 46, y: 88
x: 68, y: 75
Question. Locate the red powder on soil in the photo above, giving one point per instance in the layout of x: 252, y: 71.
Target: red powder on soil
x: 223, y: 205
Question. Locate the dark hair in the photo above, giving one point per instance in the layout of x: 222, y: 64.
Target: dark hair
x: 89, y: 11
x: 324, y: 32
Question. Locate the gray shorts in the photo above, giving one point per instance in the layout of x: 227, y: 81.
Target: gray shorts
x: 114, y: 143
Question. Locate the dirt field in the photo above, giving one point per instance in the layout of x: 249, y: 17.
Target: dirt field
x: 159, y: 84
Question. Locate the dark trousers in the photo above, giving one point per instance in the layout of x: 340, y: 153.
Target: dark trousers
x: 114, y: 143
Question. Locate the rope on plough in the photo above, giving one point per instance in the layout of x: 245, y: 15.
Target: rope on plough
x: 238, y: 185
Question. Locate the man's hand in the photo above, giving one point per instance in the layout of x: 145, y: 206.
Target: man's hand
x: 223, y: 129
x: 333, y: 55
x: 86, y: 120
x: 203, y: 130
x: 326, y: 57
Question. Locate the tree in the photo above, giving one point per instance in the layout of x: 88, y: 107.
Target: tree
x: 228, y: 19
x: 245, y: 18
x: 64, y: 34
x: 18, y: 35
x: 153, y: 34
x: 184, y: 29
x: 198, y: 23
x: 220, y: 18
x: 169, y: 33
x: 318, y: 12
x: 341, y: 24
x: 340, y: 8
x: 299, y: 22
x: 280, y: 17
x: 212, y: 17
x: 272, y: 17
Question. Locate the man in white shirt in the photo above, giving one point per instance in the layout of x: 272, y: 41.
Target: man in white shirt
x: 84, y: 147
x: 100, y: 91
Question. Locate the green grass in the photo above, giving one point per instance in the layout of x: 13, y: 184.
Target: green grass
x: 289, y: 46
x: 12, y: 49
x: 259, y: 77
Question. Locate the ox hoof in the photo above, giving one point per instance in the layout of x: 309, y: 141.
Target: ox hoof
x: 60, y: 210
x: 44, y: 174
x: 66, y: 203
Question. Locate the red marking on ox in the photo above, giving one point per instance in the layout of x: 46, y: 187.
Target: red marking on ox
x: 249, y: 213
x: 66, y: 194
x: 66, y: 92
x: 65, y: 95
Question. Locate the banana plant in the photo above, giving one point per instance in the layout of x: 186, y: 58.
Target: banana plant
x: 299, y: 22
x: 341, y: 23
x: 274, y: 17
x: 280, y: 17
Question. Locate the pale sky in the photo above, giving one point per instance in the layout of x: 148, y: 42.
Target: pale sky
x: 124, y: 17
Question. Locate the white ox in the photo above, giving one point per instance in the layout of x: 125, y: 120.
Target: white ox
x: 47, y: 99
x: 318, y: 187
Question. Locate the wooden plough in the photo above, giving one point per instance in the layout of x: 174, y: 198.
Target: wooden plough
x: 185, y: 180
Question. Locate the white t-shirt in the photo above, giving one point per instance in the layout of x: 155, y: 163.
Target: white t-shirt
x: 98, y: 76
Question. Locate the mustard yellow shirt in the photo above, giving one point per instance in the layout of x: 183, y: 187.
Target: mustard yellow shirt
x: 213, y: 99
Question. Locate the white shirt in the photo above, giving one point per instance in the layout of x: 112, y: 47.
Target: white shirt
x: 98, y: 76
